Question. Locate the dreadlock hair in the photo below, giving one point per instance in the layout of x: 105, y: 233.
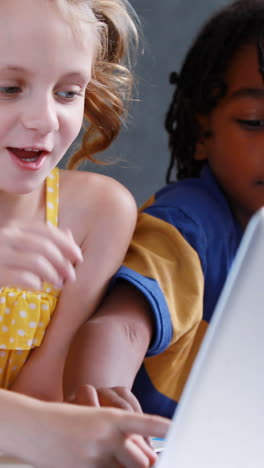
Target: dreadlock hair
x: 200, y: 84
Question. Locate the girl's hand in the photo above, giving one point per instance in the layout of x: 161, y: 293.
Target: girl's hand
x: 31, y: 255
x: 117, y: 397
x: 61, y: 435
x: 79, y: 437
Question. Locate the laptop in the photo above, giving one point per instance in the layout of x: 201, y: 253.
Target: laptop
x: 219, y: 422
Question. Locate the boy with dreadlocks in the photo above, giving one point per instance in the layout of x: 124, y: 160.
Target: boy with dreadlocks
x: 187, y: 235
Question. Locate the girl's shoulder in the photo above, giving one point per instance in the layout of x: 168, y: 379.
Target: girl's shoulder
x: 93, y: 198
x: 89, y: 187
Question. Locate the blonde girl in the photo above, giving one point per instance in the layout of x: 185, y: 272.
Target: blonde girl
x: 63, y: 233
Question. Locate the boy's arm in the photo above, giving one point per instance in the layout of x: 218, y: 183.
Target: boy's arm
x: 109, y: 349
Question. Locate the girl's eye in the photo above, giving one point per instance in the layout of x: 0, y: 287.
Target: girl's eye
x: 68, y: 94
x: 252, y: 124
x: 9, y: 90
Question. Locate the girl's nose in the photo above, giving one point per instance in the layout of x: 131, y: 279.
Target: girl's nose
x: 41, y: 115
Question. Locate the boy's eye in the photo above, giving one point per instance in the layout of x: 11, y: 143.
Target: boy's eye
x: 253, y: 124
x: 9, y: 90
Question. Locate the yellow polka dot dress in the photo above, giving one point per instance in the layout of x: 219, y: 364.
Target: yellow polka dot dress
x: 25, y: 315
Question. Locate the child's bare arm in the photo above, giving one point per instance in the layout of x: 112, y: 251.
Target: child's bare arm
x: 109, y: 349
x: 108, y: 231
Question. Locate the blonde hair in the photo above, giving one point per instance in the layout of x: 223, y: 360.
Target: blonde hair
x: 109, y: 90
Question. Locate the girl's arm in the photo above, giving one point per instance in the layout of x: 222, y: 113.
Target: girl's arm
x: 108, y: 224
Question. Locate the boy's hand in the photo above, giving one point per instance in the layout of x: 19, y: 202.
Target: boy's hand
x: 29, y: 256
x: 115, y: 397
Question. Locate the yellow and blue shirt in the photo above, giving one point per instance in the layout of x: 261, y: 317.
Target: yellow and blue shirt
x: 182, y: 250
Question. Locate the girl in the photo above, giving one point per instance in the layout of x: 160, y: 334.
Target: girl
x: 63, y: 233
x: 188, y: 234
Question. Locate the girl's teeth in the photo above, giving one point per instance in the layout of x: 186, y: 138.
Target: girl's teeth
x: 30, y: 149
x: 29, y: 159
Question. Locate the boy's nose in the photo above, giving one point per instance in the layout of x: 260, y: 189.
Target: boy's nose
x: 41, y: 116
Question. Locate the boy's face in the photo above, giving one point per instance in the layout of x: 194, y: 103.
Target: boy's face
x: 44, y: 70
x: 235, y: 151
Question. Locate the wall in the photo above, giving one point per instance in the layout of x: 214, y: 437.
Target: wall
x: 168, y: 27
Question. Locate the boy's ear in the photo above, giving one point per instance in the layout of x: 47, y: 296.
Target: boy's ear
x: 201, y: 144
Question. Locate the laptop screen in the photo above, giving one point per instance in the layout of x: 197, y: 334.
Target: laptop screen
x: 220, y: 419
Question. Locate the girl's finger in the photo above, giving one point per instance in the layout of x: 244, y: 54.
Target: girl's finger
x: 132, y: 455
x: 66, y: 244
x: 22, y: 279
x: 36, y: 264
x: 44, y: 248
x: 143, y: 424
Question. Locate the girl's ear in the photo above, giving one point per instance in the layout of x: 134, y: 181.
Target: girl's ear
x: 201, y: 151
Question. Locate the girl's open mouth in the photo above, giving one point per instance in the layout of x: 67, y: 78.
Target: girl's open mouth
x: 27, y: 158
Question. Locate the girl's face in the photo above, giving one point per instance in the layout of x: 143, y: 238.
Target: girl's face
x: 235, y: 151
x: 44, y: 70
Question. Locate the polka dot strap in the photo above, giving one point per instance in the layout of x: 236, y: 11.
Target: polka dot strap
x: 52, y: 197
